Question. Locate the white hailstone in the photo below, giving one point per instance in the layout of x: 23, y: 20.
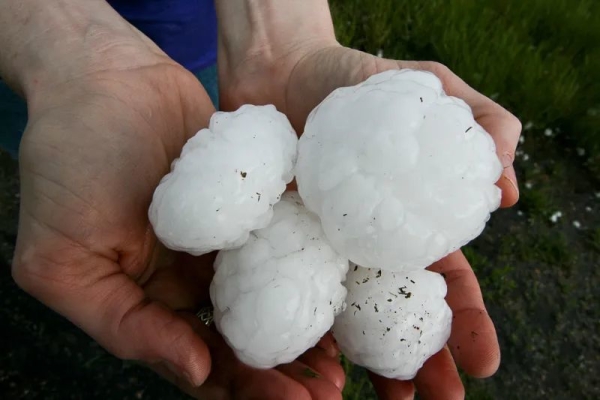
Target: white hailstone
x: 528, y: 126
x: 399, y: 173
x: 278, y: 294
x: 577, y: 224
x: 548, y: 132
x: 393, y: 321
x: 555, y: 216
x: 580, y: 151
x: 226, y: 181
x: 528, y: 185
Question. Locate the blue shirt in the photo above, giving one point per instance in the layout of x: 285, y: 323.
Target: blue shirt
x: 184, y: 29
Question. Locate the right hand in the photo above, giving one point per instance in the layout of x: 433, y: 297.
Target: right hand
x: 99, y: 139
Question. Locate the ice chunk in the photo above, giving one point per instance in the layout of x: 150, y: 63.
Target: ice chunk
x: 394, y: 321
x: 399, y: 173
x: 273, y: 302
x: 226, y: 181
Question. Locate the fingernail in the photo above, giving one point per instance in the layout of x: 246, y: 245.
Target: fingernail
x: 189, y: 378
x: 510, y: 175
x: 329, y: 345
x: 507, y: 160
x: 180, y: 373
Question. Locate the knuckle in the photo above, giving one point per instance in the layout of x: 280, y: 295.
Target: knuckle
x: 514, y: 124
x: 439, y: 69
x: 24, y: 273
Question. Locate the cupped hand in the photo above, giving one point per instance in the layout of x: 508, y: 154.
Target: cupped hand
x: 296, y: 81
x: 99, y: 139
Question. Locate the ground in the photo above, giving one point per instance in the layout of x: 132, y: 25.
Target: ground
x: 537, y: 262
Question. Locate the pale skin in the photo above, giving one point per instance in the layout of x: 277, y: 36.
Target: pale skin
x: 109, y: 111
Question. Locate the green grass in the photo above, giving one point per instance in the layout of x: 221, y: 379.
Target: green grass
x: 538, y: 58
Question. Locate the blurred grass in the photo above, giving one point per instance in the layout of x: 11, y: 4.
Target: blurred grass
x: 538, y: 58
x: 541, y: 60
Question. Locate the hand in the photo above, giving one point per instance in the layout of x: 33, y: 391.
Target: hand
x: 101, y: 135
x: 302, y: 75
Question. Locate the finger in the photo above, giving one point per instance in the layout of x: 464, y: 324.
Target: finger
x: 438, y: 379
x: 329, y: 368
x: 329, y: 345
x: 237, y: 380
x: 182, y: 282
x: 270, y: 384
x: 473, y: 341
x: 205, y: 392
x: 508, y: 183
x: 253, y: 385
x: 392, y: 389
x: 503, y: 126
x: 93, y: 293
x: 317, y: 386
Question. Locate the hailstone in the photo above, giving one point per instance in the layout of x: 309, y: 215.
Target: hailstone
x: 278, y: 294
x: 393, y: 321
x: 226, y: 180
x: 399, y: 173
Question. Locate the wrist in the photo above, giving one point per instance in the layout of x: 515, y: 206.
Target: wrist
x: 49, y: 43
x: 261, y: 42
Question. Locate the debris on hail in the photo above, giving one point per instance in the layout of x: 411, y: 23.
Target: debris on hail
x: 393, y: 321
x: 278, y: 294
x: 399, y: 173
x: 226, y: 181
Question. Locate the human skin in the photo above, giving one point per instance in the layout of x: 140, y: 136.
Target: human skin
x: 109, y: 111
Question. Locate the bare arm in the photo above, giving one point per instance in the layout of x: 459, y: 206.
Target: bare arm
x: 45, y: 43
x: 260, y: 42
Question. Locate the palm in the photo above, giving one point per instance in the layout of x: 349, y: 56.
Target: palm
x: 87, y: 250
x: 89, y: 165
x: 315, y: 73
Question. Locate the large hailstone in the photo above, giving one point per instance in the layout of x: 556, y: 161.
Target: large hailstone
x: 394, y: 321
x: 399, y: 173
x: 226, y: 181
x: 277, y: 295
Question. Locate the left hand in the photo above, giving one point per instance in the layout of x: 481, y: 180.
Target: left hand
x: 296, y: 81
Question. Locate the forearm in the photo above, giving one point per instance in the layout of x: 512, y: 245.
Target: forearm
x: 44, y: 43
x: 271, y: 28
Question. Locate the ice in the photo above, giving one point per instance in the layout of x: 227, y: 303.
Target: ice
x: 555, y: 216
x: 226, y: 181
x: 399, y: 173
x: 273, y: 302
x: 394, y: 321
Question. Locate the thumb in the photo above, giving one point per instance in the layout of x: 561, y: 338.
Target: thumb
x: 93, y: 293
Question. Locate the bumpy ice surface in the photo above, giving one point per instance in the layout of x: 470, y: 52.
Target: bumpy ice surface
x: 399, y: 173
x: 277, y: 295
x: 226, y: 181
x: 394, y: 321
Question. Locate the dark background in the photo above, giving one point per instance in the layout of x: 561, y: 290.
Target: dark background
x: 538, y: 271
